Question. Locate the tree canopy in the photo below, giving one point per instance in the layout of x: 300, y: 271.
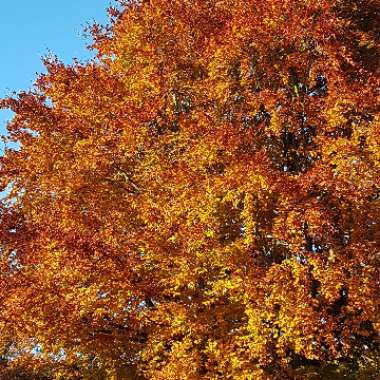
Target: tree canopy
x: 201, y: 201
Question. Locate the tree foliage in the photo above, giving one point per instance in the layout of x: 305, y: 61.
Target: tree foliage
x: 201, y: 201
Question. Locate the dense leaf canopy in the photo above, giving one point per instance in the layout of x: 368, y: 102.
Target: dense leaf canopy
x: 201, y: 201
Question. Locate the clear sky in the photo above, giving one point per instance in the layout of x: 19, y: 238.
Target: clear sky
x: 29, y: 29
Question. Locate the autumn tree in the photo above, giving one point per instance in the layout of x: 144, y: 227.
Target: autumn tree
x: 201, y: 201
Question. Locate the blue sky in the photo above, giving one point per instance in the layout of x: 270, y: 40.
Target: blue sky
x: 29, y: 29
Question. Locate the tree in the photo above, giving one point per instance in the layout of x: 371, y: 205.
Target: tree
x: 201, y: 200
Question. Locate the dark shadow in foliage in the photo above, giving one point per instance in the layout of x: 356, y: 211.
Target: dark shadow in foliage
x: 362, y: 35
